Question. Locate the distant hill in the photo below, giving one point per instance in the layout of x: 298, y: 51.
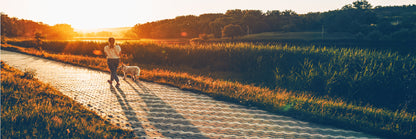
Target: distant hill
x: 114, y: 30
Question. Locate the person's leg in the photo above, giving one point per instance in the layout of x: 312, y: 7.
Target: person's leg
x: 116, y: 63
x: 113, y: 69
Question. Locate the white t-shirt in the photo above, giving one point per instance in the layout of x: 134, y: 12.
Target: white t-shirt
x: 112, y: 52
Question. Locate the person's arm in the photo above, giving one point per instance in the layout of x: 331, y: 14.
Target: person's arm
x: 119, y: 51
x: 106, y: 51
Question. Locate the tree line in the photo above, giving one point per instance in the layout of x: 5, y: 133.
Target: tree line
x: 20, y: 28
x: 359, y: 18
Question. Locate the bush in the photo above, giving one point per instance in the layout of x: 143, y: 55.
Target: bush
x: 232, y: 31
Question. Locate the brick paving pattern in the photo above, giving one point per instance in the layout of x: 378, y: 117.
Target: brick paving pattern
x: 159, y: 111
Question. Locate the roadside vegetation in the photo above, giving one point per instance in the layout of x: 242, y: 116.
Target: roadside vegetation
x: 31, y: 109
x: 353, y: 67
x: 359, y: 76
x: 360, y: 89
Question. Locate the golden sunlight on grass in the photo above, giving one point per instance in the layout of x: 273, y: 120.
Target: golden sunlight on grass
x: 30, y: 109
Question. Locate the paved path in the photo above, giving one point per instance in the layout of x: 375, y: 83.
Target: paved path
x: 154, y: 110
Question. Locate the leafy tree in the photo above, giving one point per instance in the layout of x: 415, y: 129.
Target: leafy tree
x: 310, y: 22
x: 204, y: 23
x: 347, y: 7
x: 255, y: 13
x: 218, y: 24
x: 273, y: 13
x: 353, y: 18
x: 215, y: 28
x: 14, y: 27
x: 289, y: 13
x: 359, y: 16
x: 232, y: 31
x: 38, y: 38
x: 260, y: 26
x: 362, y: 5
x: 235, y: 13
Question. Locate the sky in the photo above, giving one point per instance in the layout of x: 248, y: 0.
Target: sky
x: 92, y: 14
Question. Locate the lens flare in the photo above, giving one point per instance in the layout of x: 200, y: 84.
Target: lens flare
x: 184, y: 34
x: 97, y: 52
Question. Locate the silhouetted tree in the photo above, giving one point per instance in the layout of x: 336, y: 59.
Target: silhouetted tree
x: 232, y: 31
x: 289, y: 13
x: 14, y: 27
x: 273, y: 13
x: 38, y: 40
x: 234, y: 13
x: 347, y: 7
x: 361, y: 5
x: 354, y: 18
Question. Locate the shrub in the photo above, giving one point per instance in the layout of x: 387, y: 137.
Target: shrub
x: 232, y: 31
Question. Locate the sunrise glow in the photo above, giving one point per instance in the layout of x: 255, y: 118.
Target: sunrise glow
x: 87, y: 15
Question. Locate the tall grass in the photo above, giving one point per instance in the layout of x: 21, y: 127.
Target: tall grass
x: 31, y: 109
x: 361, y: 76
x: 304, y: 105
x: 379, y: 78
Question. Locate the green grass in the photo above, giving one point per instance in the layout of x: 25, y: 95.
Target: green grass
x: 379, y: 78
x: 31, y: 109
x: 284, y: 63
x: 297, y: 36
x: 359, y: 76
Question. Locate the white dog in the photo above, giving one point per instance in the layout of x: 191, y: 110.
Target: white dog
x: 134, y: 71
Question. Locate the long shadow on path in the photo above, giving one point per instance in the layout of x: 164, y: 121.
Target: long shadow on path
x: 127, y: 109
x: 166, y: 112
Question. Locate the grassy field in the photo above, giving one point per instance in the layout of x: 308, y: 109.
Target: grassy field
x: 298, y: 36
x: 329, y: 68
x: 359, y: 76
x: 31, y: 109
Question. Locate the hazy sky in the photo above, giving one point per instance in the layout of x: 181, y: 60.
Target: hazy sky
x: 87, y: 14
